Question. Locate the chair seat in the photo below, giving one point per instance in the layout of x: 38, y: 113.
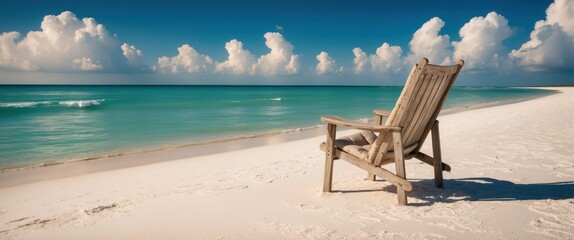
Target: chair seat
x: 359, y: 145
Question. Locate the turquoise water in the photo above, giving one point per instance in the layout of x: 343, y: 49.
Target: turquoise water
x: 50, y: 123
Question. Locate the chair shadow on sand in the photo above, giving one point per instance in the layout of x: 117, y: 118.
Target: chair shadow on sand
x: 485, y: 189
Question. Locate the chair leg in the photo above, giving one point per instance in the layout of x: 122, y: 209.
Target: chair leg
x: 437, y: 156
x: 400, y: 166
x: 371, y: 177
x: 329, y: 157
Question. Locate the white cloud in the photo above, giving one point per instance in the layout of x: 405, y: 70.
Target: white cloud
x: 551, y: 44
x: 10, y: 53
x: 86, y: 64
x: 387, y: 58
x: 326, y: 63
x: 426, y: 42
x: 280, y: 61
x: 132, y: 54
x: 65, y: 43
x: 293, y: 66
x: 239, y: 60
x: 481, y: 45
x: 187, y: 60
x: 561, y: 12
x: 360, y: 61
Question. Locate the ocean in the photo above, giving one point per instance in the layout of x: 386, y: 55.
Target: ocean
x: 42, y: 124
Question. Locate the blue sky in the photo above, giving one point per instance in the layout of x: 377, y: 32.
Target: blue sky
x: 292, y: 42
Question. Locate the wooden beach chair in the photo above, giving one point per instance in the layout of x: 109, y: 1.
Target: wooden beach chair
x: 404, y: 131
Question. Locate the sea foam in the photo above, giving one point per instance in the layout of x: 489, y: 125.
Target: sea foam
x: 82, y: 103
x: 21, y: 104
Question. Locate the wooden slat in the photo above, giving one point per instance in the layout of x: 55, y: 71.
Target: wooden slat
x: 427, y: 113
x: 383, y: 143
x: 417, y: 119
x: 407, y: 122
x: 338, y: 152
x: 411, y: 107
x: 379, y: 114
x: 369, y: 167
x: 421, y: 121
x: 428, y: 109
x: 383, y: 113
x: 355, y: 124
x: 430, y: 161
x: 410, y: 96
x: 380, y: 172
x: 452, y: 76
x: 383, y: 149
x: 423, y: 130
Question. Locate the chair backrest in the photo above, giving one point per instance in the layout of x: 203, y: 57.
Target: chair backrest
x: 417, y: 107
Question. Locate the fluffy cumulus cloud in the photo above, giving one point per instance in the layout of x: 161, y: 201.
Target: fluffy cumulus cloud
x: 561, y: 12
x: 481, y: 42
x: 326, y: 64
x: 551, y: 44
x: 86, y: 64
x: 280, y: 61
x: 427, y: 42
x: 133, y: 55
x: 12, y: 55
x: 187, y: 61
x: 65, y: 43
x: 360, y: 61
x: 239, y: 61
x: 387, y: 58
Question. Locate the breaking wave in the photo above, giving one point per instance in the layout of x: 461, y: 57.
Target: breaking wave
x: 82, y: 103
x: 21, y: 104
x: 71, y: 103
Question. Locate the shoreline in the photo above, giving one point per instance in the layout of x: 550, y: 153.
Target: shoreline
x: 34, y: 173
x: 159, y: 149
x: 512, y: 178
x: 454, y: 110
x: 18, y: 175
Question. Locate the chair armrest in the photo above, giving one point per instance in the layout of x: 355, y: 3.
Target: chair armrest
x: 383, y: 113
x: 379, y: 114
x: 357, y: 125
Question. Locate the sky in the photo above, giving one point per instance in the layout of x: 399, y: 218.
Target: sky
x: 336, y: 42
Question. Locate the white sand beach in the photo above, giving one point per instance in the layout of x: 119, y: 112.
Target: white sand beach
x: 512, y: 178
